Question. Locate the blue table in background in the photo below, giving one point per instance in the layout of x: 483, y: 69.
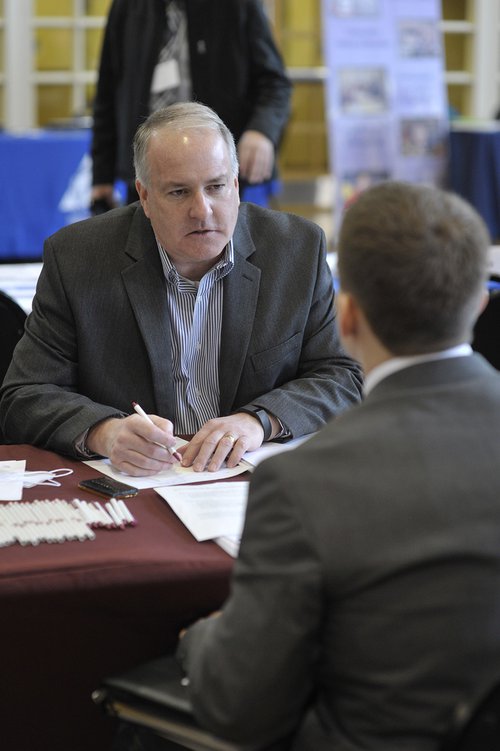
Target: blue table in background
x: 474, y: 169
x: 45, y: 184
x: 45, y: 178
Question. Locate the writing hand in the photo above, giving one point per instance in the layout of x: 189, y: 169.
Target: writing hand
x: 132, y: 443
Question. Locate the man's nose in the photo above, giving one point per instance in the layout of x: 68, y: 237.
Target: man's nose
x: 200, y: 205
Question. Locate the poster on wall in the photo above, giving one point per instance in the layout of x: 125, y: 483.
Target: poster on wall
x: 386, y: 102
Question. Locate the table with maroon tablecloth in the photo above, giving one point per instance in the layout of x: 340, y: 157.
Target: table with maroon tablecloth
x: 74, y: 612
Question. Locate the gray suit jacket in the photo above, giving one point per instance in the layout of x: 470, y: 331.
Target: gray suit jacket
x: 99, y: 333
x: 366, y: 598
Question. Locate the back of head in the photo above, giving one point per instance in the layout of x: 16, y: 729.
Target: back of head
x: 415, y: 259
x: 179, y: 116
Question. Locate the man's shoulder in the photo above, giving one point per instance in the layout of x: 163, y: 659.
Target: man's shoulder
x: 112, y: 224
x: 252, y: 213
x: 341, y: 435
x: 101, y: 241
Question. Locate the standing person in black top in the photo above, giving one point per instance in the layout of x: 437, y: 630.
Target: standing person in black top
x: 156, y: 52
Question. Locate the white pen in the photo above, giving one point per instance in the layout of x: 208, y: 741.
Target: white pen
x: 117, y: 519
x: 130, y: 519
x: 170, y: 449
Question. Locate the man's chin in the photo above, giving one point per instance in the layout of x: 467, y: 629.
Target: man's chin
x: 208, y: 244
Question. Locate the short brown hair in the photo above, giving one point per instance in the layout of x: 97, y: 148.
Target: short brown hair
x: 415, y: 259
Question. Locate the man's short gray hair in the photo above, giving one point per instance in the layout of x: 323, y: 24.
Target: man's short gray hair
x: 179, y: 117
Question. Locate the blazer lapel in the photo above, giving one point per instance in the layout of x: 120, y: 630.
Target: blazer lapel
x: 145, y: 285
x: 241, y: 290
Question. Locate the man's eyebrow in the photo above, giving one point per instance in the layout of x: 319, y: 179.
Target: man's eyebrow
x: 174, y: 184
x: 224, y: 177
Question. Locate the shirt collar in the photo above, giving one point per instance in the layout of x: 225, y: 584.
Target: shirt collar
x: 388, y: 367
x: 221, y: 268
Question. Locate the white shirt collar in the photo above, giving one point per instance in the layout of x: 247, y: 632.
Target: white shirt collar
x: 398, y: 363
x: 223, y: 266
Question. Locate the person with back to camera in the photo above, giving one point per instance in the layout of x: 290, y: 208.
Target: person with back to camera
x: 158, y: 52
x: 218, y: 319
x: 365, y: 601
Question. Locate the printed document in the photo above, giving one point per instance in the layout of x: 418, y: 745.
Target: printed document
x: 209, y: 511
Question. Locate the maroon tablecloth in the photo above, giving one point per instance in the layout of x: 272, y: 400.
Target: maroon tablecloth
x: 73, y: 612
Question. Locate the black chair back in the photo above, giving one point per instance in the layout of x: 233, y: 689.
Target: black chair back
x: 476, y: 725
x: 12, y: 318
x: 486, y: 338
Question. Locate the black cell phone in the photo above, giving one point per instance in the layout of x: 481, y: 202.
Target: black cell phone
x: 108, y: 488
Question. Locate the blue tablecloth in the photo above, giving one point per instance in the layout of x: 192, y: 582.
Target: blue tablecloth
x: 474, y: 171
x: 45, y: 184
x: 45, y: 181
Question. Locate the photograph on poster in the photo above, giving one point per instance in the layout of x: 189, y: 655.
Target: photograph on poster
x: 352, y: 8
x: 418, y: 38
x: 363, y: 91
x: 417, y: 91
x: 354, y: 183
x: 422, y: 136
x: 365, y: 146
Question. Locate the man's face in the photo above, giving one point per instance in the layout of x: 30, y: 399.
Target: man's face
x: 192, y: 198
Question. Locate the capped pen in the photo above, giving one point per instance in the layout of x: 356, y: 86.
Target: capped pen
x: 170, y: 449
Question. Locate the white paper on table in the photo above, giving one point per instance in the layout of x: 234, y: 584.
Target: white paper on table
x: 211, y: 510
x: 253, y: 458
x: 11, y: 479
x: 229, y: 543
x: 176, y: 475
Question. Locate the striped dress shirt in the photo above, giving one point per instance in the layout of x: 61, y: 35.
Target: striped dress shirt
x: 195, y: 310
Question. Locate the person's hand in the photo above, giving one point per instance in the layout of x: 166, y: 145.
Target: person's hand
x: 255, y: 156
x: 104, y: 191
x: 102, y: 198
x: 222, y: 439
x: 133, y: 444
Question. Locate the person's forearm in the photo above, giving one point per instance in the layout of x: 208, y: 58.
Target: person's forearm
x: 100, y: 436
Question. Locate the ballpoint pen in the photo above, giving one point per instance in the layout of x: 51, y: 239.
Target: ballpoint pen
x: 170, y: 449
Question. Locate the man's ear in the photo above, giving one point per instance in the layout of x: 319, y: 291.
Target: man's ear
x: 485, y: 297
x: 347, y: 313
x: 142, y: 192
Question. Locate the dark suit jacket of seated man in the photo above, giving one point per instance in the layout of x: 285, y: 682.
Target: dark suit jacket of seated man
x: 365, y: 602
x: 100, y: 334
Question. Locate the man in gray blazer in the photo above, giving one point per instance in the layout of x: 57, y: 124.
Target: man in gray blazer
x: 365, y: 602
x: 217, y: 319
